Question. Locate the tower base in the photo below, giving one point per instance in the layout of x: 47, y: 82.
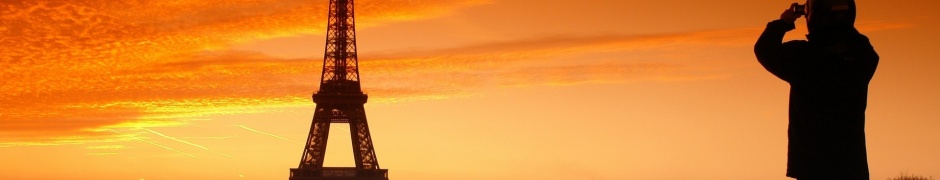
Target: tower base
x: 338, y: 173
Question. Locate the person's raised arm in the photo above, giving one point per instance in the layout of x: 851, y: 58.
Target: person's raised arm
x: 770, y: 51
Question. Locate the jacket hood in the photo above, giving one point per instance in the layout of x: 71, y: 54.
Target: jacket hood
x: 824, y: 16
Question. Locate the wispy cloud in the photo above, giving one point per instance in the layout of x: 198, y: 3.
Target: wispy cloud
x: 73, y: 67
x: 78, y: 70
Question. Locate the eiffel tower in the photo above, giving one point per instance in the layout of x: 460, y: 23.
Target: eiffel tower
x: 339, y: 100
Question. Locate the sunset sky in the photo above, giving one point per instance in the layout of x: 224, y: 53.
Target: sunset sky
x: 459, y: 89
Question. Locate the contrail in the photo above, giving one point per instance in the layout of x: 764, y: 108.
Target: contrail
x: 158, y: 145
x: 184, y: 142
x: 268, y: 134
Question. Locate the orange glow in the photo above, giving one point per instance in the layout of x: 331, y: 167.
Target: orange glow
x: 459, y: 89
x: 108, y: 63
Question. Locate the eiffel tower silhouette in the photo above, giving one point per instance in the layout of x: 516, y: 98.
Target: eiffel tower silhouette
x: 339, y: 100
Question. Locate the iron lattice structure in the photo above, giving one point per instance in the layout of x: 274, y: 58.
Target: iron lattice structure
x: 339, y: 100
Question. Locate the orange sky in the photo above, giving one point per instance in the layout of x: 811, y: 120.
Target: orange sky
x: 460, y: 89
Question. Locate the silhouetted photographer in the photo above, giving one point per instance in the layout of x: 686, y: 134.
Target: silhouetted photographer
x: 828, y: 76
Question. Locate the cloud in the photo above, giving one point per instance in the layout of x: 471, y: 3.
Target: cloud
x: 71, y: 68
x: 75, y: 71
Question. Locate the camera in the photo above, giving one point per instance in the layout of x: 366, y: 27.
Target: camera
x: 798, y: 8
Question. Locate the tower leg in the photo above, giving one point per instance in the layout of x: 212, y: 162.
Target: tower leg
x: 316, y: 142
x: 362, y: 141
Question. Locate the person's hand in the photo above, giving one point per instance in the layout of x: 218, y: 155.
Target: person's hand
x: 789, y: 15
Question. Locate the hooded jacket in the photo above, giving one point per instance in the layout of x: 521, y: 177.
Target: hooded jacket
x: 828, y: 77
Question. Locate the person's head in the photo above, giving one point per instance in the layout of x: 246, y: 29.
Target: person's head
x: 823, y: 15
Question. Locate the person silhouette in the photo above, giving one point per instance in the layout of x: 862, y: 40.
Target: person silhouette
x: 828, y: 75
